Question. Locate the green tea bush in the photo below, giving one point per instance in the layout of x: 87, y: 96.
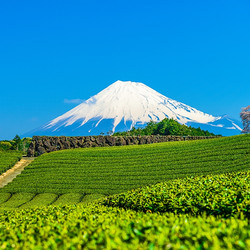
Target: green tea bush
x: 4, y: 197
x: 40, y: 200
x: 68, y: 199
x: 8, y: 159
x: 16, y: 200
x: 100, y: 227
x: 225, y: 195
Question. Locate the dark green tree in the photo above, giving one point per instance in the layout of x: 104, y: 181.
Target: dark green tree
x: 17, y: 141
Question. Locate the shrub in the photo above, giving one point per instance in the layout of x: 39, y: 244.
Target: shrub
x: 5, y: 145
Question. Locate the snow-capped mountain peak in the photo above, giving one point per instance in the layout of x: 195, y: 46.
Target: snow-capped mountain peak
x: 130, y: 101
x: 121, y: 106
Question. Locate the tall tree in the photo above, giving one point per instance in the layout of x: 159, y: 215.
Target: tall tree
x: 245, y: 117
x: 17, y: 141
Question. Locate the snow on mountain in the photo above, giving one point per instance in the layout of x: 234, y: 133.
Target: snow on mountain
x: 125, y: 104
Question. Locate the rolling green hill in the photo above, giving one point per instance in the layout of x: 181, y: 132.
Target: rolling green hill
x: 204, y: 212
x: 221, y: 195
x: 194, y: 206
x: 117, y: 169
x: 95, y: 226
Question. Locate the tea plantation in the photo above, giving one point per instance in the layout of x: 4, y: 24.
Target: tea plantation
x: 224, y: 195
x: 178, y: 195
x: 8, y: 159
x: 117, y: 169
x: 165, y: 215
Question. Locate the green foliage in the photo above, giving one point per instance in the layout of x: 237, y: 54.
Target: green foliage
x: 91, y: 197
x: 24, y: 144
x: 17, y: 139
x: 95, y: 226
x: 99, y: 227
x: 225, y: 195
x: 21, y: 144
x: 162, y: 215
x: 166, y: 127
x: 40, y: 200
x: 4, y: 197
x: 8, y: 160
x: 16, y: 200
x: 5, y: 145
x: 17, y: 143
x: 118, y: 169
x: 68, y: 199
x: 9, y: 201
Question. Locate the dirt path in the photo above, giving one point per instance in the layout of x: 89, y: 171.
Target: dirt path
x: 11, y: 174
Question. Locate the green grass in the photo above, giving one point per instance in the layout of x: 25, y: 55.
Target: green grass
x: 118, y: 169
x: 8, y: 159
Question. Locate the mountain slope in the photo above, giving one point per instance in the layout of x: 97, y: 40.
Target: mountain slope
x: 123, y: 105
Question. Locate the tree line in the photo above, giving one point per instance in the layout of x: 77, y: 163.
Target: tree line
x: 166, y: 127
x: 15, y: 144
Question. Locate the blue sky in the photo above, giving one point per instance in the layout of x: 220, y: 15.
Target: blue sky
x: 52, y: 52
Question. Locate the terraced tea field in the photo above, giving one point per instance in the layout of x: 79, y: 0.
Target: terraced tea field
x: 8, y: 159
x: 117, y: 169
x: 105, y: 224
x: 201, y: 201
x: 90, y: 173
x: 223, y: 195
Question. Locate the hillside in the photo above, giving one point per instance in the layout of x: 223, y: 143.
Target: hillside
x: 117, y: 169
x: 170, y: 219
x: 224, y: 194
x: 206, y: 210
x: 8, y: 159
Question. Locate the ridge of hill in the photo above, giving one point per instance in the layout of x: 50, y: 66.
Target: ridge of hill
x: 118, y: 169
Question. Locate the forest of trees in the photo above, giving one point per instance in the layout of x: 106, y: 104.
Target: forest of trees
x: 15, y: 144
x: 166, y: 127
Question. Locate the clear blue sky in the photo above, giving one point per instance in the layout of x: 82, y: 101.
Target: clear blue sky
x: 196, y: 52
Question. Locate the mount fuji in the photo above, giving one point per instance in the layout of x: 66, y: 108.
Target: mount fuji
x: 126, y: 104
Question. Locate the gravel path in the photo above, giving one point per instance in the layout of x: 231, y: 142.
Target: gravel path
x: 11, y: 174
